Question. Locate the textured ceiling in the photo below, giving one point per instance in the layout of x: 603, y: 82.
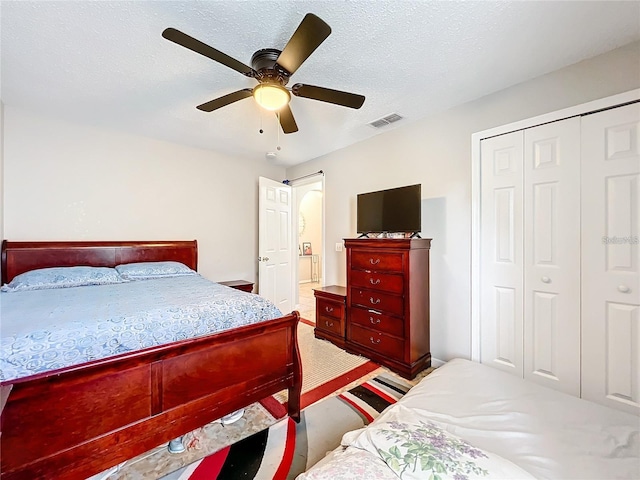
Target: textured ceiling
x: 105, y: 63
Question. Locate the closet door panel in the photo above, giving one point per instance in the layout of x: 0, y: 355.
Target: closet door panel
x: 610, y: 263
x: 501, y: 244
x: 552, y: 255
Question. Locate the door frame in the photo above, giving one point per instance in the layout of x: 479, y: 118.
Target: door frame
x: 295, y: 229
x: 578, y: 110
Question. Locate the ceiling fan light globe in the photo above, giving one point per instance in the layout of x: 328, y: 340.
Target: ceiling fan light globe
x: 271, y: 97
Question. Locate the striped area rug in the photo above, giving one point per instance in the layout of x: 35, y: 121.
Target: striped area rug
x: 287, y: 449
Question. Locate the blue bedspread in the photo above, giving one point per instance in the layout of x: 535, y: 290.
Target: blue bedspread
x: 44, y: 330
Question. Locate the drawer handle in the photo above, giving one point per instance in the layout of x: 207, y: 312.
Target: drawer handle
x: 375, y: 302
x: 545, y: 279
x: 329, y: 309
x: 374, y: 262
x: 623, y: 289
x: 375, y: 342
x: 328, y: 323
x: 377, y: 282
x: 377, y: 321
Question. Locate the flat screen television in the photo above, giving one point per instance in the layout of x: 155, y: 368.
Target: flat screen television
x: 392, y: 210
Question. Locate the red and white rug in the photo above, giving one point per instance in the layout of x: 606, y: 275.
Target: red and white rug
x: 287, y: 449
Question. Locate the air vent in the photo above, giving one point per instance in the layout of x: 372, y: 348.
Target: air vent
x: 381, y: 122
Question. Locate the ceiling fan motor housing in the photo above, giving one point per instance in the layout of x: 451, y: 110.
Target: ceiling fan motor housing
x: 264, y: 63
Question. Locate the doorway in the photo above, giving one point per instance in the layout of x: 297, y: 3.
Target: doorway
x: 310, y: 207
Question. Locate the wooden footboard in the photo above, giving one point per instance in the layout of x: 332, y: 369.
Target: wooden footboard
x: 73, y: 423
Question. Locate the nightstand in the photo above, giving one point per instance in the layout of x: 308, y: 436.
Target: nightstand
x: 239, y: 285
x: 331, y: 309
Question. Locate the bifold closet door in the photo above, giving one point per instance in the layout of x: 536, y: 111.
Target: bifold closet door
x: 552, y: 255
x: 501, y: 247
x: 610, y: 261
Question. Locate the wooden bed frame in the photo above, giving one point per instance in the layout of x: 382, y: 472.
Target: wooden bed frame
x: 77, y: 421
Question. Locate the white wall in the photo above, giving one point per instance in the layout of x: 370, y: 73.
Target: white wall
x: 72, y: 182
x: 1, y: 173
x: 437, y: 153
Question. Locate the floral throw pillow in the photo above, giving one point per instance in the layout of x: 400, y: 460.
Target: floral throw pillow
x: 418, y: 449
x: 349, y: 464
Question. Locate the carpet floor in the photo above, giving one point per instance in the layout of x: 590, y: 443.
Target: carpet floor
x: 321, y: 361
x: 287, y: 449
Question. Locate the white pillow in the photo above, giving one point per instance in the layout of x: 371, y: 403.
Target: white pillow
x: 144, y: 270
x: 417, y: 449
x: 349, y: 464
x: 62, y: 277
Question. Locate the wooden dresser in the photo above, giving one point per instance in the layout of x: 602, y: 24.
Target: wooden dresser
x: 387, y: 316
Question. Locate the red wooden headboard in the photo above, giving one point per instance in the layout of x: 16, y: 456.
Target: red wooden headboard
x: 20, y: 257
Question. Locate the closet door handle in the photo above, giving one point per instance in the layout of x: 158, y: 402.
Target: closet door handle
x: 545, y: 279
x: 623, y: 289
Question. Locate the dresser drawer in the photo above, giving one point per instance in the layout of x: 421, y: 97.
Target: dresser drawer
x: 377, y: 321
x: 376, y: 261
x: 330, y: 309
x: 378, y: 342
x: 385, y: 282
x: 330, y: 324
x: 384, y: 302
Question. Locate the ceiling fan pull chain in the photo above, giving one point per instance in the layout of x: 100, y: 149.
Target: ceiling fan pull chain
x: 261, y: 129
x: 278, y: 129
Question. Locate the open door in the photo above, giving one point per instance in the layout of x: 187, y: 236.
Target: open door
x: 275, y: 251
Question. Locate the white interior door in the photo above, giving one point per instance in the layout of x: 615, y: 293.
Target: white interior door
x: 275, y: 250
x: 501, y: 253
x: 611, y: 255
x: 552, y: 255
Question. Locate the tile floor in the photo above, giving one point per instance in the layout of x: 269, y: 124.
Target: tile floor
x: 306, y: 300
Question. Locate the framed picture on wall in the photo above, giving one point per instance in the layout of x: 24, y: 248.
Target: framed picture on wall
x: 306, y: 248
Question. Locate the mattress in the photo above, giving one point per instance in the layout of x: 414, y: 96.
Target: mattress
x: 545, y: 433
x: 44, y: 330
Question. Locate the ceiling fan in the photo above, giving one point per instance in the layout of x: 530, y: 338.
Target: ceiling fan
x: 272, y: 69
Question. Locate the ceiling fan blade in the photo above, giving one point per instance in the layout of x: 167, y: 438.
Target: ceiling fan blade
x: 337, y: 97
x: 176, y: 36
x: 287, y: 121
x: 311, y: 32
x: 225, y: 100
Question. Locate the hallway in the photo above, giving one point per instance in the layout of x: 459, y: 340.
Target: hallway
x: 307, y: 301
